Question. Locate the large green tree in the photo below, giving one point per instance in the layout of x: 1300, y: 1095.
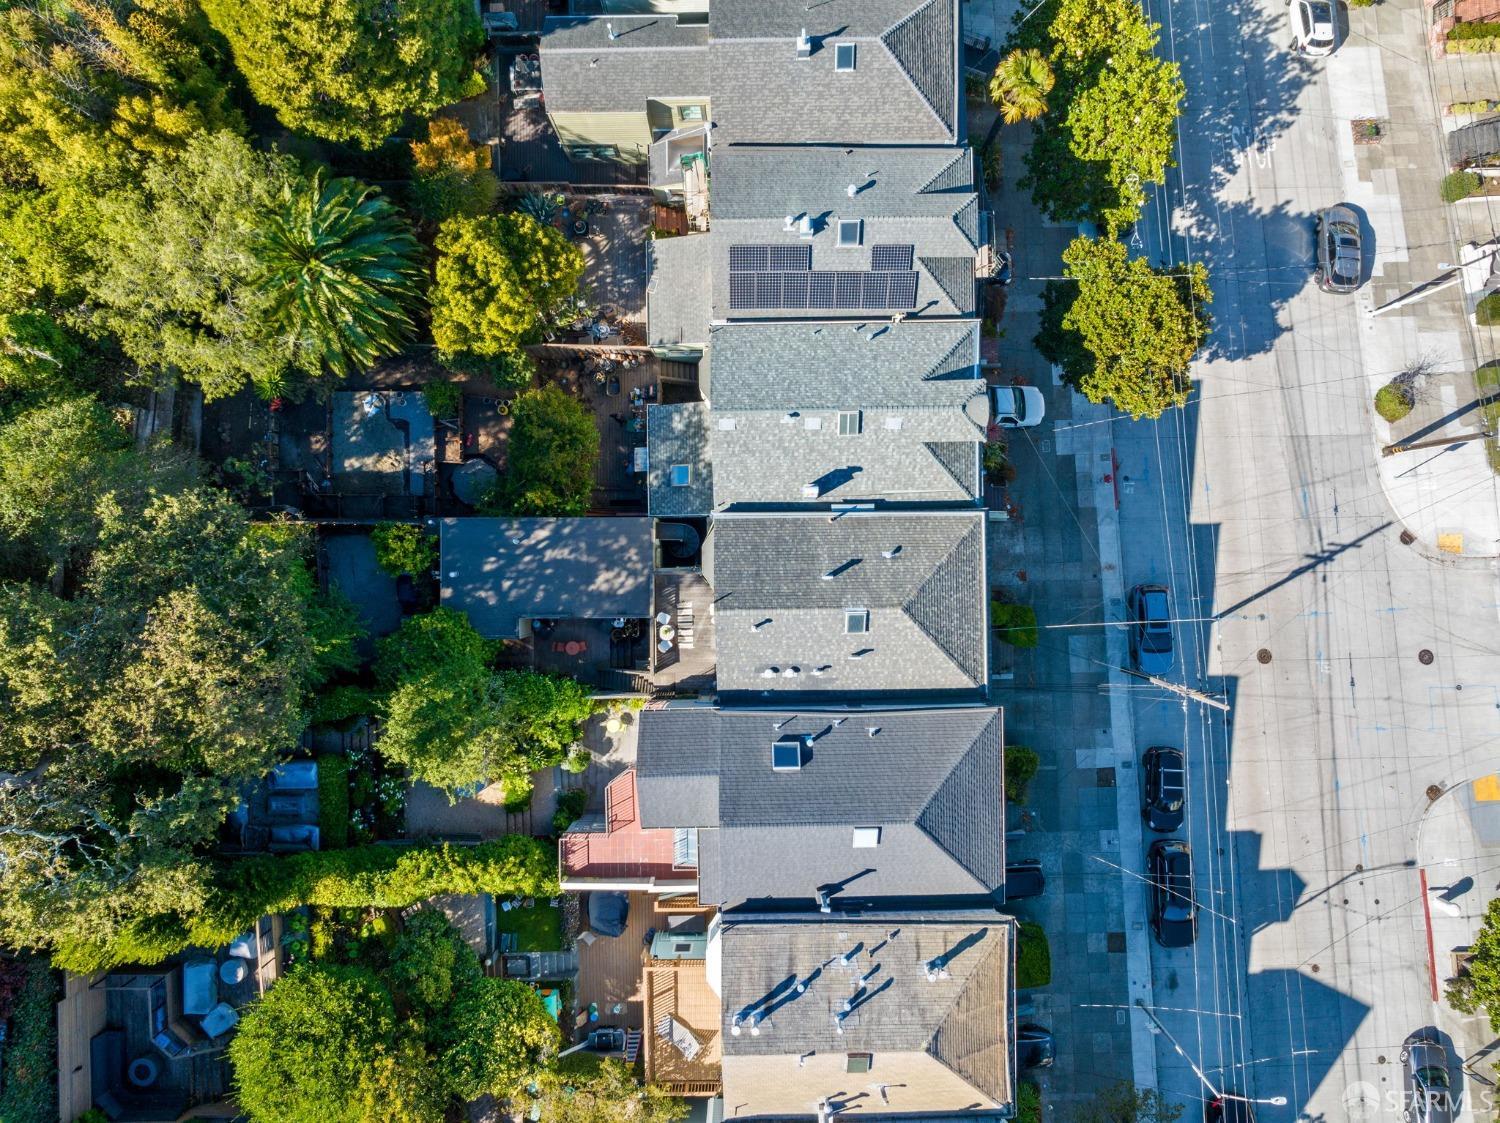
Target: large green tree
x: 89, y: 90
x: 1123, y: 331
x: 177, y: 268
x: 1477, y: 986
x: 452, y: 721
x: 351, y: 70
x: 499, y: 280
x: 493, y: 1038
x: 551, y: 456
x: 155, y: 658
x: 1110, y: 121
x: 340, y: 268
x: 304, y: 1052
x: 451, y: 175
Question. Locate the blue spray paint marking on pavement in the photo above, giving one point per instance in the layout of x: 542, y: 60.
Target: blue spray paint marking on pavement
x: 1393, y: 608
x: 1313, y: 612
x: 1306, y: 511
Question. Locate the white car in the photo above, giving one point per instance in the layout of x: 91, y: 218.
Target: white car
x: 1315, y: 26
x: 1017, y: 407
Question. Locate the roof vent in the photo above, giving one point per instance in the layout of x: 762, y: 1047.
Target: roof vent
x: 769, y: 672
x: 791, y: 672
x: 804, y: 226
x: 804, y: 45
x: 791, y: 222
x: 810, y: 491
x: 892, y: 552
x: 852, y: 190
x: 872, y: 729
x: 786, y: 754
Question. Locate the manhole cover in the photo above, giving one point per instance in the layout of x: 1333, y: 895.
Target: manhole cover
x: 1434, y: 791
x: 1115, y: 942
x: 1424, y: 657
x: 1263, y: 655
x: 1316, y: 968
x: 1407, y: 538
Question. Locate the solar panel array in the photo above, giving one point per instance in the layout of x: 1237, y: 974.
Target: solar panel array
x: 771, y: 277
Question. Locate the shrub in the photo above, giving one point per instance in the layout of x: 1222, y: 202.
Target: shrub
x: 1460, y: 185
x: 1458, y: 108
x: 404, y: 548
x: 1393, y: 401
x: 1476, y: 29
x: 1033, y: 957
x: 510, y: 370
x: 1487, y: 311
x: 443, y: 398
x: 333, y: 801
x: 1014, y: 623
x: 515, y: 792
x: 30, y: 1091
x: 360, y: 877
x: 570, y: 805
x: 1021, y: 766
x: 1028, y: 1103
x: 340, y: 705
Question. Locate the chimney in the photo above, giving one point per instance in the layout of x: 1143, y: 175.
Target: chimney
x: 804, y: 226
x: 804, y: 45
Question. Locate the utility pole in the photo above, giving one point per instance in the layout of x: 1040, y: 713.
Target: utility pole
x: 1181, y: 690
x: 1437, y: 442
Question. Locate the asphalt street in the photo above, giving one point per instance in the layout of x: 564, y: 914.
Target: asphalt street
x: 1261, y: 507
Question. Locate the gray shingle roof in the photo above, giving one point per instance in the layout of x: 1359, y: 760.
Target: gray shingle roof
x: 501, y: 571
x: 902, y: 1012
x: 678, y: 435
x: 783, y: 384
x: 781, y: 624
x: 931, y: 780
x: 678, y: 295
x: 755, y: 190
x: 585, y: 71
x: 903, y: 89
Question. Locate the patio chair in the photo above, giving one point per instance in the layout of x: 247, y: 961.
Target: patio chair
x: 664, y: 646
x: 663, y: 617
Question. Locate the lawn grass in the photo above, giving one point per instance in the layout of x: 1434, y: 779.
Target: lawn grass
x: 1487, y: 379
x: 538, y: 928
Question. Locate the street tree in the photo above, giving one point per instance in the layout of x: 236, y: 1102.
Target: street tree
x: 499, y: 280
x: 1020, y: 85
x: 351, y: 70
x: 1477, y: 986
x: 1123, y: 331
x: 340, y: 269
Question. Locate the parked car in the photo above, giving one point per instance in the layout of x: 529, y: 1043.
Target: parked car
x: 1315, y: 28
x: 1150, y: 629
x: 1227, y: 1107
x: 1174, y: 911
x: 1024, y: 879
x: 1035, y: 1047
x: 1429, y: 1090
x: 1164, y: 789
x: 1017, y: 407
x: 1340, y: 257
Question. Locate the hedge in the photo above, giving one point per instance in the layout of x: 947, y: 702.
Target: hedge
x: 333, y: 801
x: 1014, y: 623
x: 1033, y: 957
x: 1460, y: 185
x: 1476, y: 29
x: 1485, y: 45
x: 1487, y: 311
x: 372, y: 876
x: 30, y: 1091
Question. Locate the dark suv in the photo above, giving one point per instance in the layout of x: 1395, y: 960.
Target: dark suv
x: 1150, y: 629
x: 1164, y: 789
x: 1174, y: 912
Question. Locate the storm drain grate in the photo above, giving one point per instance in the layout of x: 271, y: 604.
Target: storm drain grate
x: 1115, y: 942
x: 1104, y: 778
x: 1263, y: 655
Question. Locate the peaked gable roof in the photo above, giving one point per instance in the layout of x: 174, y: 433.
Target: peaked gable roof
x: 778, y: 389
x: 585, y: 70
x: 904, y: 88
x: 785, y: 584
x: 917, y: 215
x: 928, y: 998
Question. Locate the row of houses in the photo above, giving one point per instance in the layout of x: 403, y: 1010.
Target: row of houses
x: 804, y: 863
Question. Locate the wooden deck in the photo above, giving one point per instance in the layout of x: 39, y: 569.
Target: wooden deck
x: 80, y: 1015
x: 679, y: 990
x: 611, y: 971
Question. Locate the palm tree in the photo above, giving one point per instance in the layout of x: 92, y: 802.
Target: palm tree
x: 1020, y: 85
x: 341, y: 272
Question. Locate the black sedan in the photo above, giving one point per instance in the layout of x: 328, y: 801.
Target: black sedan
x: 1163, y: 789
x: 1024, y: 879
x: 1174, y: 912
